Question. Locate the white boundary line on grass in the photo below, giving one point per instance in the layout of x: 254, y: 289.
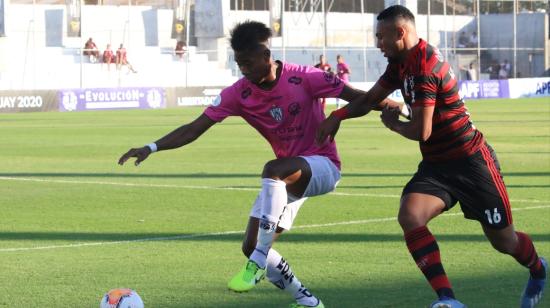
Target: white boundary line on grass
x: 6, y: 178
x: 188, y: 236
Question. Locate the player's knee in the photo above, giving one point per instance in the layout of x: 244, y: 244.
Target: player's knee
x: 505, y: 247
x: 271, y: 169
x: 409, y: 221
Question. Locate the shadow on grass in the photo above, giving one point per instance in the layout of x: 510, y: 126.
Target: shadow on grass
x: 291, y: 237
x: 479, y: 290
x: 212, y: 175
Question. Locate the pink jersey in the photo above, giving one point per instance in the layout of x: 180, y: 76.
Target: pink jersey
x: 342, y: 70
x: 288, y: 115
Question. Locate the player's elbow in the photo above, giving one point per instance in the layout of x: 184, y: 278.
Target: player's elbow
x: 424, y: 135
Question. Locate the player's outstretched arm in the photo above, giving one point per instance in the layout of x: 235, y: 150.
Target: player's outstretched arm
x: 360, y: 103
x: 179, y: 137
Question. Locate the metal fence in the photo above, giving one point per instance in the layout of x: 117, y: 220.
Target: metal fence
x: 42, y: 42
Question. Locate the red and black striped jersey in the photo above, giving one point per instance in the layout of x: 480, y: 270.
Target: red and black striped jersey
x: 425, y: 79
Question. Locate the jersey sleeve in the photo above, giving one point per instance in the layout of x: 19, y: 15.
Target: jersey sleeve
x: 323, y: 84
x: 390, y: 79
x: 425, y: 90
x: 225, y: 105
x: 346, y: 68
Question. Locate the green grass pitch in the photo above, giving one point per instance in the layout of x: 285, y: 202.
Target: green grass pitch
x: 74, y: 224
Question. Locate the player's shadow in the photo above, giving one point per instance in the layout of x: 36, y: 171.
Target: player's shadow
x: 403, y: 286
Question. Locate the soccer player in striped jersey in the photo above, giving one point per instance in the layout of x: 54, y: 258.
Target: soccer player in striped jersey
x: 457, y: 166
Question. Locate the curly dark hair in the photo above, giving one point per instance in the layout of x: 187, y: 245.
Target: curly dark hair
x: 394, y: 12
x: 246, y: 36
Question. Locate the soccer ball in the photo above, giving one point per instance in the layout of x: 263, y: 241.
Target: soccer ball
x: 121, y: 298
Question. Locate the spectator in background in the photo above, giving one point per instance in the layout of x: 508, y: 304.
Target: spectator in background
x: 324, y: 66
x: 507, y: 68
x: 108, y: 56
x: 343, y: 71
x: 471, y: 73
x: 180, y: 49
x: 90, y: 50
x: 462, y: 40
x: 473, y: 40
x: 122, y: 59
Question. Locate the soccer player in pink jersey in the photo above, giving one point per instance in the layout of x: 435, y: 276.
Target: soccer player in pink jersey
x: 281, y: 101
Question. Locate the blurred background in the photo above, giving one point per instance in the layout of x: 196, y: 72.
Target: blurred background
x: 184, y: 43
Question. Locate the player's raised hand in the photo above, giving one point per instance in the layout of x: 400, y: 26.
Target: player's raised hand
x: 140, y: 154
x: 328, y: 128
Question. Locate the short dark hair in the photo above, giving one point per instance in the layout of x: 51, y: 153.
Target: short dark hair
x: 246, y: 36
x: 394, y: 12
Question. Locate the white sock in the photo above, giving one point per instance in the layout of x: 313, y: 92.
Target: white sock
x: 280, y: 274
x: 273, y: 200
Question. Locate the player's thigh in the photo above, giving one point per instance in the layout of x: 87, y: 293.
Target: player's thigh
x: 417, y: 209
x: 294, y: 171
x: 324, y: 176
x: 425, y: 196
x: 482, y: 192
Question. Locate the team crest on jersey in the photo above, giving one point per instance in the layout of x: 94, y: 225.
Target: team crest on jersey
x: 408, y: 86
x: 294, y: 108
x: 276, y: 113
x: 295, y: 80
x: 246, y: 93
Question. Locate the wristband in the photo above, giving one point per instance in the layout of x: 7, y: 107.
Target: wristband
x: 341, y: 113
x: 153, y: 147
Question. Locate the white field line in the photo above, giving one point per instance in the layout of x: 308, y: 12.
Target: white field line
x: 188, y: 236
x: 146, y: 185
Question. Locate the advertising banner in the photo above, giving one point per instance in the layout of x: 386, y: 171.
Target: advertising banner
x: 192, y: 96
x: 28, y: 101
x: 111, y: 98
x: 529, y: 87
x: 483, y: 89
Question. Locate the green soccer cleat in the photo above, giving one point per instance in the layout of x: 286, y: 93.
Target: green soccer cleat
x: 247, y: 278
x: 296, y: 305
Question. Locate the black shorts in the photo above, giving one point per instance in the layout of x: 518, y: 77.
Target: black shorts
x: 474, y: 181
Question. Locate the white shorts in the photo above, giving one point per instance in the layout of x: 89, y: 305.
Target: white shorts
x: 324, y: 178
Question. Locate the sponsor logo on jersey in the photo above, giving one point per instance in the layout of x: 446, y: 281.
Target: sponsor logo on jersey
x: 336, y: 83
x: 328, y: 76
x: 294, y: 108
x: 295, y: 80
x: 246, y: 93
